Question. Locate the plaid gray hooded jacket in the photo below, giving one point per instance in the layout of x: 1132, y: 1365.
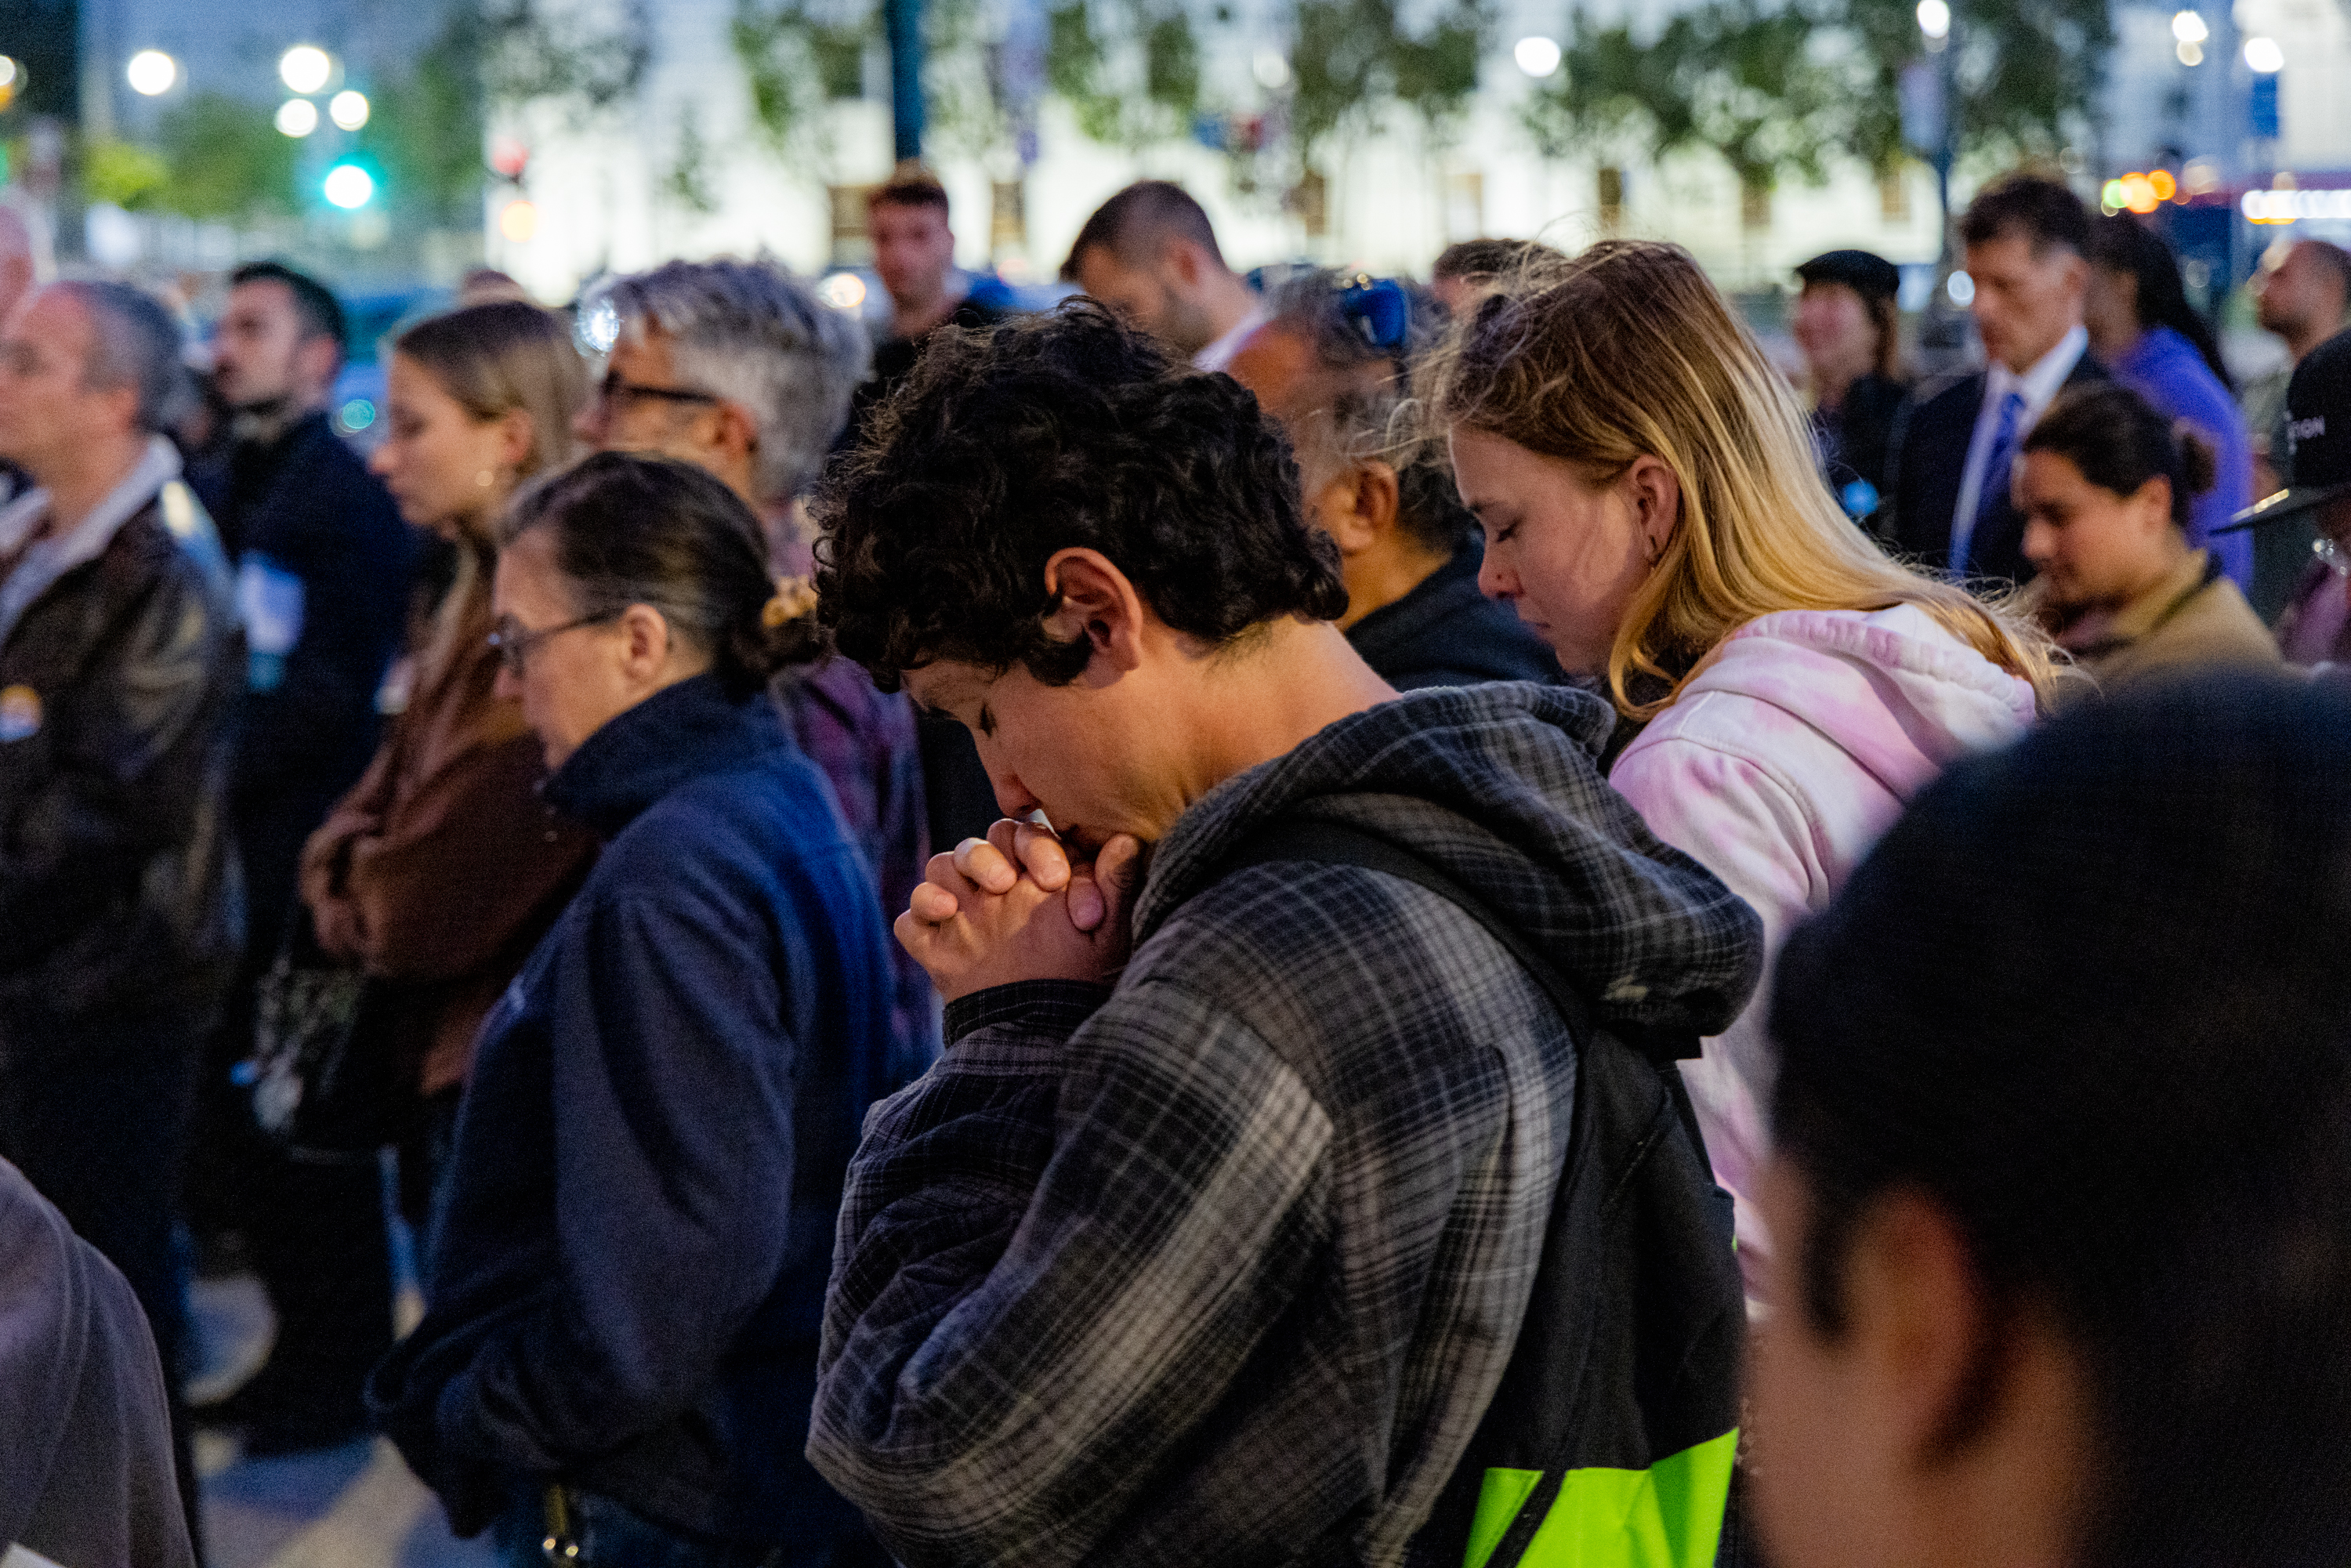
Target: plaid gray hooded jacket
x: 1222, y: 1264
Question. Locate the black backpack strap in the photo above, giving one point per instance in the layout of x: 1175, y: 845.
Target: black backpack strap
x: 1634, y: 1334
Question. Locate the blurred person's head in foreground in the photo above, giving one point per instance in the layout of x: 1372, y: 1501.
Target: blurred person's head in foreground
x: 2027, y: 243
x: 280, y: 343
x: 2105, y: 484
x: 1640, y: 506
x: 2302, y: 292
x: 1334, y: 365
x: 1845, y: 319
x: 913, y: 248
x: 480, y: 400
x: 1151, y: 254
x: 1470, y: 269
x: 733, y: 366
x: 88, y: 373
x: 623, y: 576
x: 1095, y: 560
x: 2063, y: 1121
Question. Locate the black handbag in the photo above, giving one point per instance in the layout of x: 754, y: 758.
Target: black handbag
x: 325, y: 1073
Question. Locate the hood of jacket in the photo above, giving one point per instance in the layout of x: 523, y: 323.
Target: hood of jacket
x: 1891, y: 688
x: 1496, y: 786
x: 673, y: 736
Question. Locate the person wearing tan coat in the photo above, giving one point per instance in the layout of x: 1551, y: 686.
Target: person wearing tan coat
x: 439, y: 871
x: 2105, y: 484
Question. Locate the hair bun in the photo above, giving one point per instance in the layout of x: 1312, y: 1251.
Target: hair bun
x: 785, y: 631
x: 2199, y: 463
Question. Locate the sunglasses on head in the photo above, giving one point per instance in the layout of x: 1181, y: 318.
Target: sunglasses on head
x: 1378, y: 309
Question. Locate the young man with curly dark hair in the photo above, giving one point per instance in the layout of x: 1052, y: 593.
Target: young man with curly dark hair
x: 1210, y: 1237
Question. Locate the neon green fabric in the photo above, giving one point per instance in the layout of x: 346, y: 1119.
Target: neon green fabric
x: 1667, y: 1516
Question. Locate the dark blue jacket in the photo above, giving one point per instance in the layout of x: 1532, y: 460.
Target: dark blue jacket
x: 1444, y: 632
x: 628, y: 1263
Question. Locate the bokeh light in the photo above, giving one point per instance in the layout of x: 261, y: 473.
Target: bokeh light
x: 1537, y: 56
x: 349, y: 186
x: 304, y: 69
x: 347, y: 110
x: 298, y: 117
x: 151, y: 73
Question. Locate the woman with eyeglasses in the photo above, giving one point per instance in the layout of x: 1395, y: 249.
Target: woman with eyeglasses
x: 442, y: 868
x: 631, y: 1253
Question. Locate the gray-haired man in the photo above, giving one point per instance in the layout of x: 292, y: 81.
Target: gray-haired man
x: 118, y: 655
x: 735, y: 367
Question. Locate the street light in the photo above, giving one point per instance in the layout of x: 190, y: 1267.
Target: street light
x: 348, y: 108
x: 1537, y: 56
x: 151, y: 73
x: 2264, y: 56
x: 304, y: 68
x: 298, y: 117
x: 349, y: 186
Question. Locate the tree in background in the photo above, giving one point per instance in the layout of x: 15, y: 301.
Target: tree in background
x: 1129, y: 70
x: 1779, y: 90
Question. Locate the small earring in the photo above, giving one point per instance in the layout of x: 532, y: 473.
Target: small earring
x: 487, y: 478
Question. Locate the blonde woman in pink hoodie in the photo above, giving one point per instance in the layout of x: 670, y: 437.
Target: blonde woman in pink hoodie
x: 1651, y: 507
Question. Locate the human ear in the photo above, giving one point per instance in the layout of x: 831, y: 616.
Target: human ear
x: 316, y: 358
x: 1924, y: 1325
x: 515, y: 437
x: 1656, y: 499
x: 645, y: 644
x: 1098, y: 603
x: 733, y: 430
x: 1356, y: 507
x: 1183, y: 259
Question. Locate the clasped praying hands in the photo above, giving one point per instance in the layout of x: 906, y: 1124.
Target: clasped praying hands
x: 1012, y: 906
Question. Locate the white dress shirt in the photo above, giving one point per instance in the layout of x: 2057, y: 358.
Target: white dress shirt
x: 1219, y: 354
x: 2039, y: 386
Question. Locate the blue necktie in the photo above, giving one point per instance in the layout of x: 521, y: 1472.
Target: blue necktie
x: 1995, y: 474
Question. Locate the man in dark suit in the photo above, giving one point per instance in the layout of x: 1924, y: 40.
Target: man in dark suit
x: 2027, y: 243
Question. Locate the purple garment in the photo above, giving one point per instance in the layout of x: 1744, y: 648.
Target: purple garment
x: 2165, y: 369
x: 863, y: 740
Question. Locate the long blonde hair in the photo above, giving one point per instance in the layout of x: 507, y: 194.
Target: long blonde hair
x: 1627, y: 350
x: 505, y: 355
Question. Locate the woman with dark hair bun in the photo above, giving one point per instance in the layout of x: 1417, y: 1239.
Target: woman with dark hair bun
x: 2143, y: 329
x: 629, y: 1265
x: 2106, y: 484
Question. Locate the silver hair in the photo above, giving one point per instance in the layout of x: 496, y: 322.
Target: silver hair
x: 133, y: 342
x: 1369, y: 413
x: 751, y: 333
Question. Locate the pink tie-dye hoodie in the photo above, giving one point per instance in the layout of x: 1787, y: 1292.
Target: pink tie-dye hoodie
x: 1793, y: 747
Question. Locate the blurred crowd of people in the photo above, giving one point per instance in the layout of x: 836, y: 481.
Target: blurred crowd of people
x: 1361, y: 921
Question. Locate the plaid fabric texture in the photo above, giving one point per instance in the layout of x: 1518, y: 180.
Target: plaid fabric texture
x: 1222, y: 1265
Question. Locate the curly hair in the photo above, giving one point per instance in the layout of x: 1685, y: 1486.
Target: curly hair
x: 1065, y: 431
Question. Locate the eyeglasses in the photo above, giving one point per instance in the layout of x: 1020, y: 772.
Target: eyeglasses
x: 1378, y: 309
x: 513, y: 643
x: 613, y: 389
